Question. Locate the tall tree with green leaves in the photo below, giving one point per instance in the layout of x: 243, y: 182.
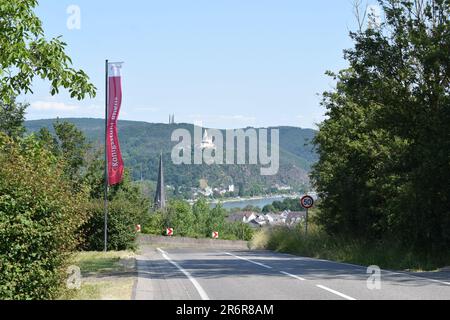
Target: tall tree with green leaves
x: 72, y: 145
x: 384, y: 166
x: 12, y: 117
x: 40, y: 220
x: 25, y: 54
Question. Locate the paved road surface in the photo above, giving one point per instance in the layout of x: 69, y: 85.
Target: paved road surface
x: 195, y: 274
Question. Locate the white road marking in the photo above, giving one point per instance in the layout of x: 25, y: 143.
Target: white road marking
x: 417, y: 277
x: 197, y: 286
x: 335, y: 292
x: 248, y: 260
x: 297, y: 258
x: 293, y: 276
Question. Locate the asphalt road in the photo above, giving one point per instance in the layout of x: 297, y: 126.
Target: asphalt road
x: 196, y: 274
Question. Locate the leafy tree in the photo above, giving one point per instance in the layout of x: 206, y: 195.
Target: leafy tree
x: 196, y: 221
x: 268, y: 208
x: 216, y: 220
x: 251, y: 208
x: 179, y: 216
x: 40, y: 210
x: 202, y: 215
x: 47, y: 140
x: 384, y: 164
x: 286, y: 204
x: 123, y: 217
x: 72, y: 146
x: 154, y: 224
x: 127, y: 207
x: 12, y: 116
x: 40, y: 215
x: 238, y: 231
x: 25, y: 54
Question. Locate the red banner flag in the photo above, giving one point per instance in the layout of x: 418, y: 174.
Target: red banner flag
x: 114, y: 156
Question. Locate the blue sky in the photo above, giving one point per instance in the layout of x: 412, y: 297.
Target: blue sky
x: 227, y: 63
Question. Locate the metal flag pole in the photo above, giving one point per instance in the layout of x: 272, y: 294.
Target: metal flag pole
x: 106, y: 156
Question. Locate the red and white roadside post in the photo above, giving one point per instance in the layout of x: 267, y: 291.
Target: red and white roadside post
x: 169, y: 232
x: 138, y: 228
x: 307, y: 202
x: 215, y: 235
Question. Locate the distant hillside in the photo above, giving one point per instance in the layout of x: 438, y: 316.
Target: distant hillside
x: 142, y: 143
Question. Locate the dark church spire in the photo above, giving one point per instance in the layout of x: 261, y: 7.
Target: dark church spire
x: 160, y: 197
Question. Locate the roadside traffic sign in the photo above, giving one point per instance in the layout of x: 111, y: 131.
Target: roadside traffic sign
x: 169, y: 232
x: 138, y: 228
x: 307, y: 202
x: 215, y: 235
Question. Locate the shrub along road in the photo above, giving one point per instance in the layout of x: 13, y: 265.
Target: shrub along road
x: 217, y: 274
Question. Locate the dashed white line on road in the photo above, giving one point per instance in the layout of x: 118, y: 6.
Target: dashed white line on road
x: 248, y: 260
x: 365, y: 268
x: 293, y: 276
x: 418, y: 277
x: 197, y: 286
x: 335, y: 292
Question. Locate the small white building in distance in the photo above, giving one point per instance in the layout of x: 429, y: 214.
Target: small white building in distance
x: 207, y: 142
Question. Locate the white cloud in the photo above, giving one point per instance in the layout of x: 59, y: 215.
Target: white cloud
x: 53, y: 106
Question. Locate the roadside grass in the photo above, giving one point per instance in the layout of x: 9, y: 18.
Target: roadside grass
x: 105, y: 276
x: 385, y: 254
x: 103, y: 262
x: 119, y: 289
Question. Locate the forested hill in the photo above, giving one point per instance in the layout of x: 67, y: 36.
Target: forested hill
x: 142, y: 143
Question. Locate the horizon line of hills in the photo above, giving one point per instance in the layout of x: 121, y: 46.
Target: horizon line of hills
x: 142, y: 142
x: 37, y: 122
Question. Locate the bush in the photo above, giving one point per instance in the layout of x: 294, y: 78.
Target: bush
x: 154, y: 224
x: 237, y: 231
x: 122, y: 220
x: 198, y: 221
x: 39, y: 218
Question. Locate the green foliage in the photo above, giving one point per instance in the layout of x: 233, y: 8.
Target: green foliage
x: 286, y: 204
x: 72, y: 146
x: 198, y: 221
x: 204, y: 220
x: 154, y: 224
x: 387, y: 253
x: 142, y: 143
x: 251, y: 208
x: 42, y: 202
x: 85, y: 168
x: 47, y: 140
x: 122, y: 221
x: 40, y: 216
x: 179, y: 216
x: 50, y: 202
x: 69, y: 144
x: 269, y: 208
x: 237, y: 231
x: 26, y: 54
x: 12, y: 116
x: 384, y: 166
x: 127, y: 207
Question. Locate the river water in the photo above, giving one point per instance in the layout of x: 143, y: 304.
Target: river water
x: 261, y: 203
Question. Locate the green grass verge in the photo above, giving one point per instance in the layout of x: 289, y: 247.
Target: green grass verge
x: 105, y: 276
x: 101, y: 262
x: 385, y: 254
